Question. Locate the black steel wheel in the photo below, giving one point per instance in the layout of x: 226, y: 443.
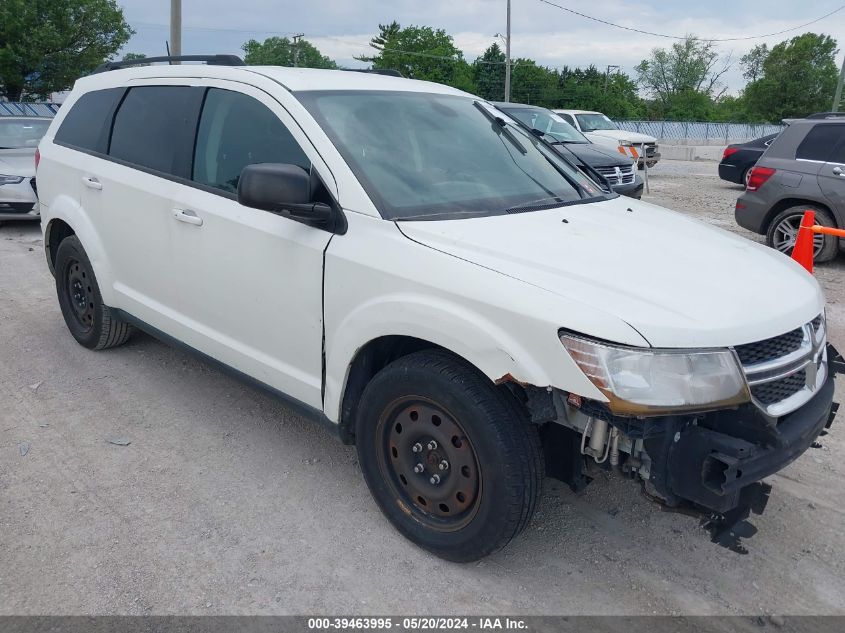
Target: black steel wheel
x: 451, y: 459
x: 92, y: 323
x: 429, y: 462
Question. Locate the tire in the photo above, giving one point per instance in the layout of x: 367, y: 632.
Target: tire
x: 783, y: 228
x: 431, y: 407
x: 90, y: 321
x: 745, y: 176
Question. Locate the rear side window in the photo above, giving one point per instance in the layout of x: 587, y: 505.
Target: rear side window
x: 87, y: 124
x: 152, y: 128
x: 236, y: 130
x: 568, y: 118
x: 820, y: 141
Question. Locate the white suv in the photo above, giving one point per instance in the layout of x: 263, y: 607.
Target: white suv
x: 601, y: 130
x: 402, y: 261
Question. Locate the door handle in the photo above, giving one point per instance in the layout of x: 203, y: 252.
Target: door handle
x: 837, y: 171
x: 92, y: 183
x: 187, y: 216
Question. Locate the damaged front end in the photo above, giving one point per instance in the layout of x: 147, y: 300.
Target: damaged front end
x: 711, y: 462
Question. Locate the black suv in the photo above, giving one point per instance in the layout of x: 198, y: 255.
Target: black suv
x: 804, y: 168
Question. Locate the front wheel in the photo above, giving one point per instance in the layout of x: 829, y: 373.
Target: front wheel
x: 451, y: 460
x: 783, y: 231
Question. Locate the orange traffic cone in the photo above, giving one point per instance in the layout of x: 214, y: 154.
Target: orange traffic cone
x: 802, y: 252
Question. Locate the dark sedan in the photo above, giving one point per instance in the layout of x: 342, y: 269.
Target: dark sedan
x: 619, y: 171
x: 739, y: 158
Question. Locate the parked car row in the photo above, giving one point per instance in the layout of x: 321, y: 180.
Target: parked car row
x: 19, y: 137
x: 800, y: 169
x: 438, y: 282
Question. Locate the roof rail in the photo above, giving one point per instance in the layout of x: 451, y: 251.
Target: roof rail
x: 211, y: 60
x: 827, y: 115
x: 389, y: 72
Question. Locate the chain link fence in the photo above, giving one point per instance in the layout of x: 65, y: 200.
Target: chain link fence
x: 12, y: 108
x: 692, y: 132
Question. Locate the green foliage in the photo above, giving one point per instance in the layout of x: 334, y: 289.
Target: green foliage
x: 131, y: 57
x: 614, y: 94
x: 488, y: 72
x: 421, y: 52
x: 45, y: 45
x: 281, y: 51
x: 798, y: 78
x: 752, y: 63
x: 684, y: 79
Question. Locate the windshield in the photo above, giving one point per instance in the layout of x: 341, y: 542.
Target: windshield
x: 549, y: 124
x: 431, y: 156
x: 20, y: 133
x: 593, y: 122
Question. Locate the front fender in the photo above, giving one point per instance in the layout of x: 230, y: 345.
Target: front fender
x: 489, y: 346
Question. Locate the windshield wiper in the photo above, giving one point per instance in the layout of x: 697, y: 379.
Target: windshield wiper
x: 540, y: 203
x: 502, y: 125
x: 581, y: 165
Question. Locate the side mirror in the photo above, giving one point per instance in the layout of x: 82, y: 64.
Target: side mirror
x: 282, y: 189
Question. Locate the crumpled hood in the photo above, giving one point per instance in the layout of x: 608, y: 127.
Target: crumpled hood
x: 17, y: 162
x: 622, y: 135
x: 678, y: 281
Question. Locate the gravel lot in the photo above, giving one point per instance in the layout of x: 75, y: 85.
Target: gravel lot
x: 227, y: 502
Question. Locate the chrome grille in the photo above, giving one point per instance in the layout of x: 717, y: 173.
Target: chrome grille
x: 618, y: 175
x: 784, y: 372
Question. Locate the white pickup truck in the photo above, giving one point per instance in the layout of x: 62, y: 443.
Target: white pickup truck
x: 405, y: 263
x: 600, y: 129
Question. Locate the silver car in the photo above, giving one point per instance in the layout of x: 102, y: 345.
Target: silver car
x: 19, y: 137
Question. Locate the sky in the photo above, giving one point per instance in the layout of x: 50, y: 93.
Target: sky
x: 342, y: 29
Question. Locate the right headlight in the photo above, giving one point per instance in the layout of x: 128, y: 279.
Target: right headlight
x: 10, y: 180
x: 643, y: 381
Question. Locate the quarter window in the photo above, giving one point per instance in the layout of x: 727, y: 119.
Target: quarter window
x: 152, y: 125
x: 236, y: 130
x: 820, y: 141
x: 86, y: 125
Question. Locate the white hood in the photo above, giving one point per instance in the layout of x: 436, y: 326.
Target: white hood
x: 620, y: 135
x: 679, y: 282
x: 17, y: 162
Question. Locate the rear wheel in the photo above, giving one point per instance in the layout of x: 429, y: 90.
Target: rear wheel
x: 451, y: 459
x: 92, y: 323
x: 783, y: 231
x: 746, y: 176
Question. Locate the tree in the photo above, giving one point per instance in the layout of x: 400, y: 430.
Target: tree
x: 488, y: 72
x: 798, y: 78
x: 614, y: 94
x: 421, y: 52
x: 45, y: 45
x: 281, y: 51
x: 752, y: 63
x: 685, y: 78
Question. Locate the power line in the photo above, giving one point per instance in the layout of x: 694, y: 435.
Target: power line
x: 677, y: 37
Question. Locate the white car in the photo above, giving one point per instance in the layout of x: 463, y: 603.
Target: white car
x: 19, y: 137
x: 403, y: 262
x: 600, y: 129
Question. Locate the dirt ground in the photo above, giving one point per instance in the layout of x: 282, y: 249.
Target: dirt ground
x: 225, y: 501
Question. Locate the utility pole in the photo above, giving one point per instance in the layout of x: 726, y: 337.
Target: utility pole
x: 839, y: 88
x: 508, y: 57
x: 296, y: 39
x: 607, y: 74
x: 175, y: 28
